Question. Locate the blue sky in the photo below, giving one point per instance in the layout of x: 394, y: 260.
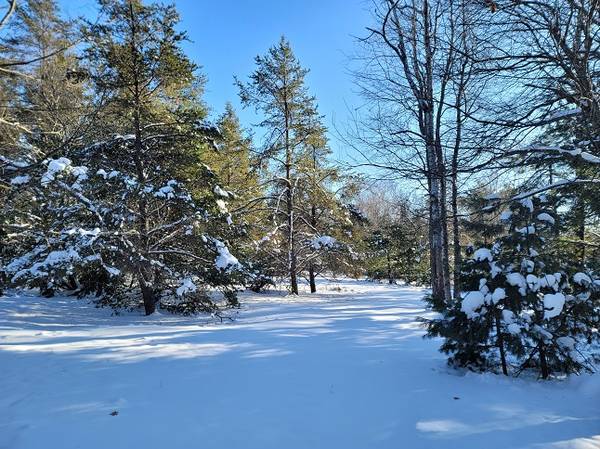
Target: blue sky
x: 226, y: 36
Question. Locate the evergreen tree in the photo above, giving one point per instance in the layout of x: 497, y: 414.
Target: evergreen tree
x: 136, y: 208
x: 277, y: 90
x: 323, y: 193
x: 42, y: 107
x: 397, y: 251
x: 232, y: 159
x: 524, y: 306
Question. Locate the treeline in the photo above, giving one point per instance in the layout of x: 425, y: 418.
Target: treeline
x: 115, y: 183
x: 493, y: 108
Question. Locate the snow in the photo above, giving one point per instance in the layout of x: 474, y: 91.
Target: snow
x: 225, y: 260
x: 471, y: 302
x: 517, y: 280
x: 590, y: 157
x: 546, y: 217
x: 220, y: 192
x: 542, y: 332
x: 165, y: 192
x: 492, y: 197
x: 582, y: 279
x: 527, y: 230
x: 222, y: 206
x: 80, y: 172
x: 19, y: 180
x: 498, y: 295
x: 562, y: 113
x: 527, y: 203
x: 52, y: 259
x: 566, y: 342
x: 324, y: 241
x: 549, y: 281
x: 55, y: 166
x: 514, y: 329
x: 553, y: 304
x: 187, y: 286
x: 113, y: 271
x: 346, y: 368
x: 495, y: 270
x: 483, y: 254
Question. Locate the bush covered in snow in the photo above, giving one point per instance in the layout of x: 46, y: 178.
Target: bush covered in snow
x: 106, y: 231
x: 523, y: 306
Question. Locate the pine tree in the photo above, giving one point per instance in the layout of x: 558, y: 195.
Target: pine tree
x: 524, y: 307
x: 123, y: 210
x: 42, y: 110
x: 323, y: 193
x: 232, y: 159
x: 277, y: 90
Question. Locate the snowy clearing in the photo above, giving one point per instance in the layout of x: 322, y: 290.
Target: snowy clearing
x: 346, y: 368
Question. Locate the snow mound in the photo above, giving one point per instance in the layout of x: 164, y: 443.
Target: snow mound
x: 553, y: 304
x: 483, y: 254
x: 471, y: 302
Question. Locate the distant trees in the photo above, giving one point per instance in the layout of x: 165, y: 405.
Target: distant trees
x: 395, y: 238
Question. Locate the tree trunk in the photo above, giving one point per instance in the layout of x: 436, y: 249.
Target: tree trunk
x: 311, y: 277
x: 148, y: 296
x: 580, y: 214
x: 145, y: 275
x: 289, y: 198
x: 389, y: 269
x: 456, y: 239
x: 543, y: 361
x: 440, y: 282
x: 313, y: 221
x: 500, y: 340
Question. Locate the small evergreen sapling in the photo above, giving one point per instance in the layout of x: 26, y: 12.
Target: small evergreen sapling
x: 522, y: 306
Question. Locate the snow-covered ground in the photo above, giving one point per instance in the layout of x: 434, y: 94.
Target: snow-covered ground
x: 347, y: 368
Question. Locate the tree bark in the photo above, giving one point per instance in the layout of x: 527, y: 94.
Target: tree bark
x: 500, y: 341
x: 313, y: 221
x: 147, y: 296
x: 145, y: 272
x: 580, y: 217
x: 292, y: 257
x: 389, y: 268
x: 312, y: 278
x: 543, y: 361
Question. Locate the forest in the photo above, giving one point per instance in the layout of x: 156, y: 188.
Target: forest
x: 469, y: 187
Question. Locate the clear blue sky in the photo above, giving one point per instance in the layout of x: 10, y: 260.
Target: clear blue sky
x: 226, y: 36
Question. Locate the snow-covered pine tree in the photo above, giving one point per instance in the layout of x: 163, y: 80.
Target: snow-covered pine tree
x: 522, y: 306
x: 277, y: 90
x: 548, y: 317
x: 42, y: 108
x: 134, y: 215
